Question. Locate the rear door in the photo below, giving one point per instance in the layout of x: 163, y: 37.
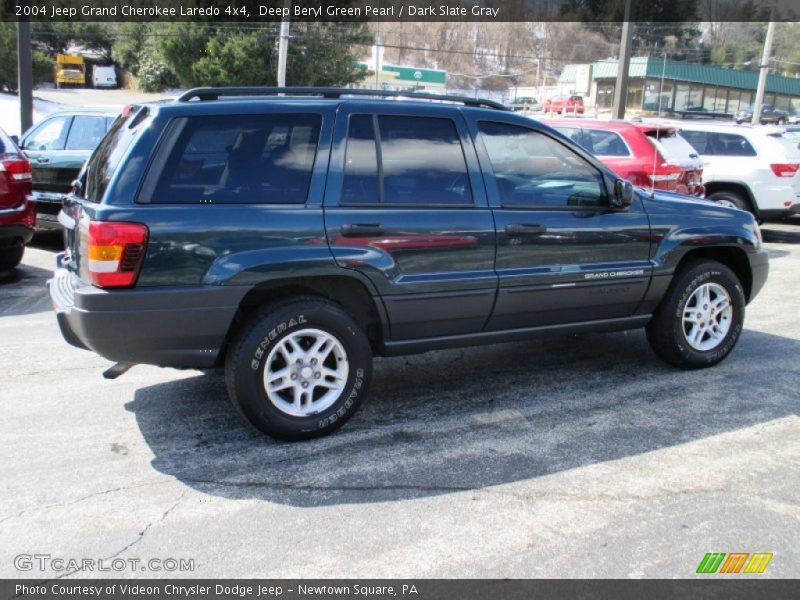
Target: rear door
x: 563, y: 254
x: 405, y: 205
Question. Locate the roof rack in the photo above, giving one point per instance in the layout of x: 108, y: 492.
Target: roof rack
x: 215, y: 93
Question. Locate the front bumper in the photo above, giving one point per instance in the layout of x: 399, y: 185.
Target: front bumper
x: 176, y: 326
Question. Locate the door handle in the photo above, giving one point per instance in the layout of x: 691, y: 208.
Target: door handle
x: 42, y: 159
x: 362, y: 229
x: 525, y: 229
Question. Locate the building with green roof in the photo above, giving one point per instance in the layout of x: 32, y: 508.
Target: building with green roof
x: 658, y: 84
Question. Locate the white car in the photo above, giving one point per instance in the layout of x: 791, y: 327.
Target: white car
x: 746, y: 167
x: 104, y: 77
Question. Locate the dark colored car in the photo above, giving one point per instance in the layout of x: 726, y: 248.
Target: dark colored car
x: 769, y: 114
x: 293, y: 237
x: 57, y: 147
x: 646, y: 154
x: 17, y: 217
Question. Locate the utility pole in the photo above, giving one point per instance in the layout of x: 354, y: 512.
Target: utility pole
x: 283, y: 44
x: 762, y: 76
x: 24, y: 75
x: 623, y: 65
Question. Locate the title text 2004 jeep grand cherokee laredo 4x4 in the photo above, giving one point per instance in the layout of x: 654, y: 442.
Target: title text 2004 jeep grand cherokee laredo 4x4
x: 291, y: 237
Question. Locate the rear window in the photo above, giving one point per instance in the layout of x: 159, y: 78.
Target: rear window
x: 238, y: 159
x: 6, y: 145
x: 106, y: 159
x: 674, y: 148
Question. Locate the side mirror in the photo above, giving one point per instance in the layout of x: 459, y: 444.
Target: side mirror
x: 15, y: 139
x: 623, y: 194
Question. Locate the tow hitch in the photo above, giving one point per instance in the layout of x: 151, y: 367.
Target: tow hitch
x: 118, y: 369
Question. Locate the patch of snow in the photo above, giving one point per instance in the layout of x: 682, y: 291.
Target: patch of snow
x: 9, y: 111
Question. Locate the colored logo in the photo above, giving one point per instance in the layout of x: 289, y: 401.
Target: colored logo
x: 735, y: 562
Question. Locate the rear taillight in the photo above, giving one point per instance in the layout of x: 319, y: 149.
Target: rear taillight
x: 784, y: 169
x: 667, y: 172
x: 115, y: 252
x: 16, y: 169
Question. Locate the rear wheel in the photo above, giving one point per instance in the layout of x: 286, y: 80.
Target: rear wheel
x: 11, y: 257
x: 730, y: 199
x: 299, y: 370
x: 700, y: 319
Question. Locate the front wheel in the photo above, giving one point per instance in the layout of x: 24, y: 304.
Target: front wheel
x: 299, y: 370
x: 701, y: 317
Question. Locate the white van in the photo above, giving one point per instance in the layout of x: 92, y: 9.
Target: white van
x: 104, y: 76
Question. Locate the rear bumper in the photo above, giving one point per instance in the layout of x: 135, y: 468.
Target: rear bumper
x: 17, y: 223
x: 759, y: 269
x: 779, y: 213
x: 180, y: 326
x: 47, y: 204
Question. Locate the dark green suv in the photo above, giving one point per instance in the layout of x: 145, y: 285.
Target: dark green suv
x: 57, y: 147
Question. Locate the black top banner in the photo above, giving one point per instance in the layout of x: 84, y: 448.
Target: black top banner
x: 270, y: 11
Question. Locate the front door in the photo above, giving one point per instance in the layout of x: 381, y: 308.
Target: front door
x: 405, y: 206
x: 563, y: 254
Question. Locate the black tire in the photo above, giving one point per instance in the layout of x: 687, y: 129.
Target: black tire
x: 247, y: 357
x: 10, y: 257
x: 725, y: 197
x: 665, y: 332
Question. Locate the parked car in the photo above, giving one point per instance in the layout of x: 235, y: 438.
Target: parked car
x: 769, y: 114
x: 794, y: 117
x: 292, y: 237
x: 750, y: 168
x: 17, y: 217
x: 648, y: 155
x: 57, y: 147
x: 524, y: 104
x: 104, y: 76
x: 564, y: 105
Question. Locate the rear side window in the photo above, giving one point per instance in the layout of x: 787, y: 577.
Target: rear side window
x: 607, y: 143
x: 86, y: 132
x: 106, y: 159
x: 397, y: 159
x: 238, y: 159
x: 714, y: 143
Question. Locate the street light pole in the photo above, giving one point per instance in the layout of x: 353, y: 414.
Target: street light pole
x: 623, y: 65
x: 283, y: 44
x: 24, y: 75
x: 764, y: 72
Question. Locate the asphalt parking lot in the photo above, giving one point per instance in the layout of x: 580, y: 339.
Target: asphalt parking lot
x: 579, y: 456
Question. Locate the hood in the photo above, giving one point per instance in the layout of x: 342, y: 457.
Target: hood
x: 688, y: 205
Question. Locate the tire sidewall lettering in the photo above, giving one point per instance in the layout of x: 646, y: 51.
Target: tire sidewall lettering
x: 272, y: 334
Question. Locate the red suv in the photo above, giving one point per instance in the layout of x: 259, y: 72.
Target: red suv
x: 17, y: 214
x: 564, y: 105
x: 648, y: 155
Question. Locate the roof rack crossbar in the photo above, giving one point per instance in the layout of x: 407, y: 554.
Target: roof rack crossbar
x: 214, y: 93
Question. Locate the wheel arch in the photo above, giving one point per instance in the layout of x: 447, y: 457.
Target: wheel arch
x: 733, y: 258
x: 346, y: 291
x: 736, y: 187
